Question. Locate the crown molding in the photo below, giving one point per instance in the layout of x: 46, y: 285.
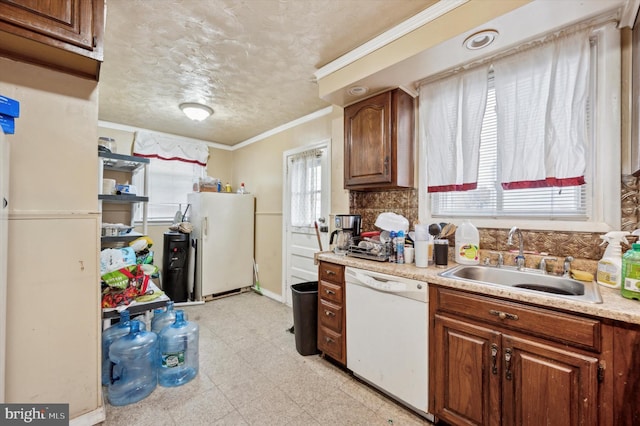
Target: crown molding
x: 127, y: 128
x: 247, y: 142
x: 289, y: 125
x: 411, y: 24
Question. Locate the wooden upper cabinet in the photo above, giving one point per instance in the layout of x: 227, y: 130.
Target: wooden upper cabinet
x: 65, y: 35
x: 378, y: 142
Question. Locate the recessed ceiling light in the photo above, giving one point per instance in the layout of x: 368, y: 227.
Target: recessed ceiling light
x: 358, y: 90
x: 480, y: 39
x: 195, y: 111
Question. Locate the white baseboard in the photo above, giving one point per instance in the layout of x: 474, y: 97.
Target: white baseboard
x: 91, y: 418
x: 270, y: 294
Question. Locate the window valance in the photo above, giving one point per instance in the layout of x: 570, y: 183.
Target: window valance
x: 154, y: 145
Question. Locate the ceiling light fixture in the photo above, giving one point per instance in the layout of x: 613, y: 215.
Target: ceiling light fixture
x: 358, y: 90
x: 196, y: 112
x: 480, y: 39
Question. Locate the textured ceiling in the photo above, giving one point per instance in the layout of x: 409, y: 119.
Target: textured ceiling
x: 252, y: 61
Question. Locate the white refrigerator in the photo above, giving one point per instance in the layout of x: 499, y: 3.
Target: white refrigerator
x: 223, y: 241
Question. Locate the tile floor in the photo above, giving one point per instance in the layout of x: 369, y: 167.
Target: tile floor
x: 251, y: 374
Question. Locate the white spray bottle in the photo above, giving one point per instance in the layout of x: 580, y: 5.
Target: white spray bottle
x: 609, y: 267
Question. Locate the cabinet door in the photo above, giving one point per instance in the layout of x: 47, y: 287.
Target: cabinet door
x: 544, y: 385
x: 51, y: 22
x: 367, y: 154
x: 465, y: 375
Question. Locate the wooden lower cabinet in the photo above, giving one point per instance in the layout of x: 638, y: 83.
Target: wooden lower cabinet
x: 331, y: 316
x: 545, y: 385
x: 491, y: 373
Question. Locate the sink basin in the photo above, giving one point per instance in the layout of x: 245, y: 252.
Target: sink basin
x: 529, y: 280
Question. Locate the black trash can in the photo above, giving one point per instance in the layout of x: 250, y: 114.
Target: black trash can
x: 305, y: 317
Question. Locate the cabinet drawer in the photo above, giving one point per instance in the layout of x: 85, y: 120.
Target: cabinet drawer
x: 330, y: 343
x: 330, y: 292
x: 332, y: 272
x: 556, y: 326
x: 330, y: 316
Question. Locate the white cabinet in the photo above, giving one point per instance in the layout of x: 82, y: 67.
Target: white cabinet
x: 53, y: 326
x: 120, y: 208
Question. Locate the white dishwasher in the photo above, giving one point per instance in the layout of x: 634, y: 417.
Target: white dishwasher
x: 387, y: 335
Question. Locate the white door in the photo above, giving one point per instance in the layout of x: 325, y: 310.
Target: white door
x: 305, y: 201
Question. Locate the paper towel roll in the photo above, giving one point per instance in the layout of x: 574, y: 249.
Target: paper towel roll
x: 108, y: 186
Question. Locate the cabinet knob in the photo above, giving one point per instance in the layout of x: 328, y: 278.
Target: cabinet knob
x: 329, y: 313
x: 503, y: 315
x: 507, y: 364
x: 494, y: 359
x: 326, y: 290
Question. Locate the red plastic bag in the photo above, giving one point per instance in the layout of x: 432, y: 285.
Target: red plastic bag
x: 137, y: 286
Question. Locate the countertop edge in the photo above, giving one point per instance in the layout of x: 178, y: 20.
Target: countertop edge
x: 613, y: 306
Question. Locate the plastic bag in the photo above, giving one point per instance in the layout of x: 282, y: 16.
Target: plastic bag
x: 392, y: 222
x: 114, y: 259
x: 124, y: 285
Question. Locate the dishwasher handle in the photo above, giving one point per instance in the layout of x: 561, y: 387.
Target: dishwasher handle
x: 381, y: 284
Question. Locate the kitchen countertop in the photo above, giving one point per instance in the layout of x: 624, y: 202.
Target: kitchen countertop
x: 613, y: 305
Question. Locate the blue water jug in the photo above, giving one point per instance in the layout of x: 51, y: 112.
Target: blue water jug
x: 162, y: 319
x: 108, y: 336
x: 178, y: 352
x: 135, y: 366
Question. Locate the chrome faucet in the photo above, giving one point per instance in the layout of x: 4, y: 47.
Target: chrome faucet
x: 543, y: 263
x: 567, y: 266
x: 520, y: 256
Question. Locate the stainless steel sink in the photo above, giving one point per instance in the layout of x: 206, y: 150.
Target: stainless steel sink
x: 529, y: 280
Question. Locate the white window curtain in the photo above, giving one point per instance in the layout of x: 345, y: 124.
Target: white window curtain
x: 154, y: 145
x: 306, y: 185
x: 452, y: 110
x: 541, y: 97
x: 175, y: 165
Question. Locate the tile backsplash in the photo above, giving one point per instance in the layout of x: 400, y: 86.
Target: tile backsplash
x: 584, y: 246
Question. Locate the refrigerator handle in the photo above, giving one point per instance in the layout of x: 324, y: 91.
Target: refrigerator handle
x: 205, y: 228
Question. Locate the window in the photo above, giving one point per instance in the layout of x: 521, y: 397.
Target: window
x: 169, y: 184
x: 175, y: 165
x: 490, y: 200
x: 305, y: 174
x: 591, y: 207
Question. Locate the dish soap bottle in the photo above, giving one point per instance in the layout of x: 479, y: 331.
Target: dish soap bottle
x: 609, y: 267
x: 631, y: 273
x: 467, y: 244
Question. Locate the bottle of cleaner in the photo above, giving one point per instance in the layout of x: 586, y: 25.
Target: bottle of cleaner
x: 467, y: 244
x: 631, y: 273
x: 609, y: 267
x: 400, y: 247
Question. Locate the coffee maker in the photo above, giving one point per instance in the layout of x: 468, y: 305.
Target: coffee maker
x: 347, y: 232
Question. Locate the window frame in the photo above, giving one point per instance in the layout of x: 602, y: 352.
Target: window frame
x: 161, y: 220
x: 604, y: 165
